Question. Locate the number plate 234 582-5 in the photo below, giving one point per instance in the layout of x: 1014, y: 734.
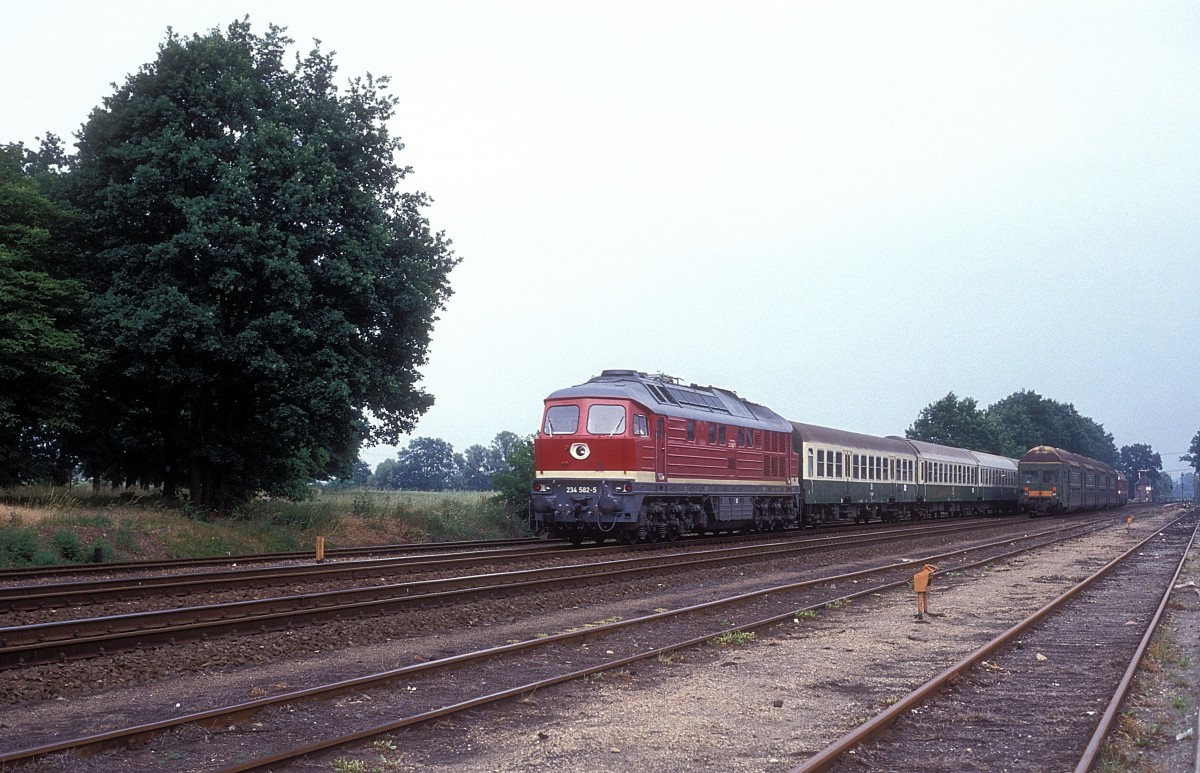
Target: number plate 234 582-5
x: 582, y: 490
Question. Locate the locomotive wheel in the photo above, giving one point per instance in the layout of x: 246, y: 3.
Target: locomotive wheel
x: 576, y: 539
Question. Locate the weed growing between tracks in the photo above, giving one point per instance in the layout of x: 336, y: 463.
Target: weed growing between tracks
x: 1156, y: 730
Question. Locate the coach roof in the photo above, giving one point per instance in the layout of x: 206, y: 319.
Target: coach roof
x: 854, y: 441
x: 668, y: 396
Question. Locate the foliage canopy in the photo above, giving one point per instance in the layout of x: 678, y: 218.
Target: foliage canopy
x: 261, y: 288
x: 43, y: 360
x: 1012, y: 426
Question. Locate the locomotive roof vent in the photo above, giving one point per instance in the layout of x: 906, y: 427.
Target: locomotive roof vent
x: 620, y: 374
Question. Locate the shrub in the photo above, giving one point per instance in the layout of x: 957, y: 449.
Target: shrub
x: 18, y: 545
x: 70, y: 547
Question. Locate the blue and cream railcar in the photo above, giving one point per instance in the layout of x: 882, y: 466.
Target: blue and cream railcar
x: 850, y: 476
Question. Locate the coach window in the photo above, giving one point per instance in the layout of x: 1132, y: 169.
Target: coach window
x: 820, y: 463
x: 1048, y: 476
x: 640, y: 426
x: 838, y: 471
x: 691, y: 430
x: 721, y: 435
x: 561, y: 420
x: 810, y: 463
x: 606, y: 420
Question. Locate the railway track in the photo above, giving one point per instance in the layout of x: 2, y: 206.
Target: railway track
x: 86, y: 637
x: 450, y: 685
x: 1042, y: 695
x: 16, y: 576
x: 252, y: 580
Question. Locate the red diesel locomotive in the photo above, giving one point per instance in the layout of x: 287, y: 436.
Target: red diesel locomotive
x: 634, y: 456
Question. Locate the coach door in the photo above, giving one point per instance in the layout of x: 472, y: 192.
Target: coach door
x: 660, y: 450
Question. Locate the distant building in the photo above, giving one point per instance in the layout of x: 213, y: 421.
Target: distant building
x: 1143, y: 490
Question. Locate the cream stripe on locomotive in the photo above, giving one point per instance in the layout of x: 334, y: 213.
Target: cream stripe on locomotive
x: 641, y: 476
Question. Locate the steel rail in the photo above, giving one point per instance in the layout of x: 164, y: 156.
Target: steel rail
x: 291, y: 555
x: 224, y: 715
x: 71, y: 639
x: 1088, y: 759
x: 827, y: 757
x: 34, y: 597
x: 35, y: 572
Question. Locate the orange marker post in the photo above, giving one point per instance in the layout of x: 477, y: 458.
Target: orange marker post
x: 1129, y: 521
x: 320, y: 549
x: 921, y: 582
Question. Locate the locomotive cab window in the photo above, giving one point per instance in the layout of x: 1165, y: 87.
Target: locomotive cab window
x: 606, y: 420
x: 640, y: 426
x: 561, y: 420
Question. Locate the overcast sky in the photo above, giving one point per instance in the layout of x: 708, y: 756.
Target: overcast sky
x: 842, y: 210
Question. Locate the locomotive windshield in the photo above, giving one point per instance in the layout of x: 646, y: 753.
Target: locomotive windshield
x: 606, y: 420
x: 561, y: 420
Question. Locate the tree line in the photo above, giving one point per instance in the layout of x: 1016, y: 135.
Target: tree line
x: 1025, y: 419
x: 225, y: 288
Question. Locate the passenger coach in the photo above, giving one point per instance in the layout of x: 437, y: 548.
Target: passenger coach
x: 851, y: 476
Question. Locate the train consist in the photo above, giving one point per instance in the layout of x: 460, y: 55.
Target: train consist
x: 1057, y: 481
x: 633, y: 457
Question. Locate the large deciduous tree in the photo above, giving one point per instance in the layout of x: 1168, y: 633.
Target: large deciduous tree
x: 42, y: 354
x: 954, y: 422
x: 1012, y: 426
x: 1025, y: 419
x: 426, y: 464
x: 263, y: 289
x: 1139, y: 456
x: 1192, y: 457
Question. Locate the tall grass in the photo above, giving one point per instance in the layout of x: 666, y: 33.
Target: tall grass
x: 41, y: 525
x: 436, y: 515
